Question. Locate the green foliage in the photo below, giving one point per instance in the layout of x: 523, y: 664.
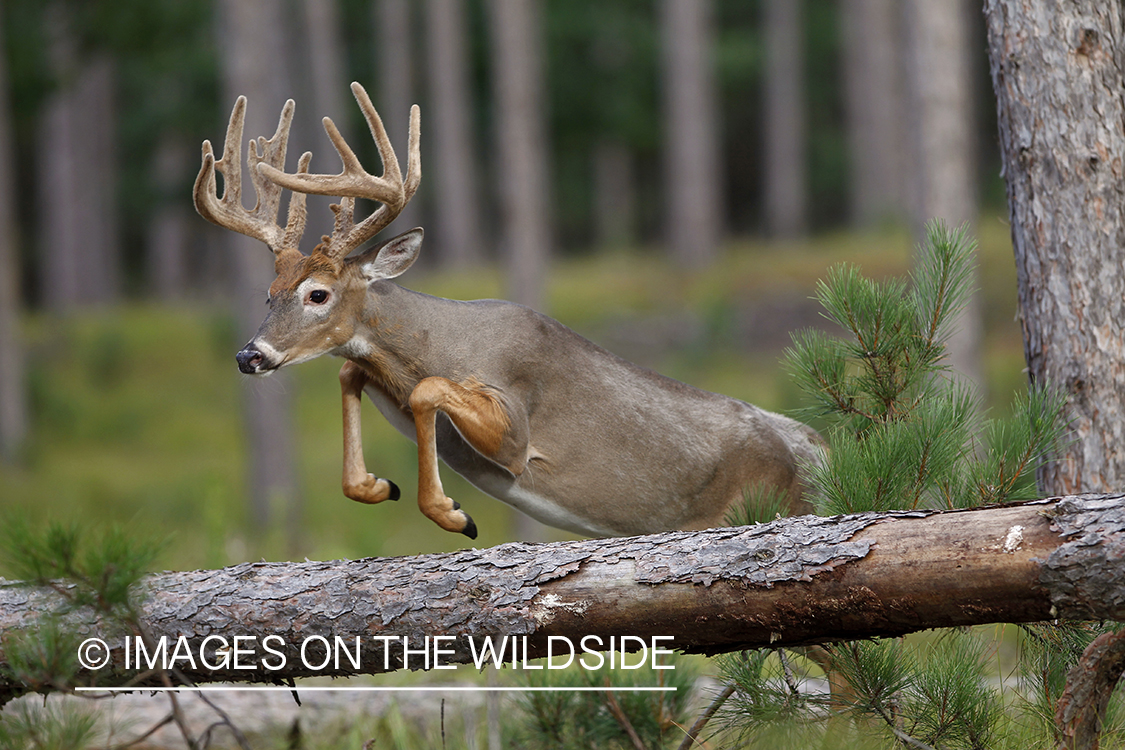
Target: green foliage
x: 1048, y: 651
x: 43, y: 658
x: 27, y: 726
x: 903, y: 431
x: 934, y: 693
x: 580, y: 720
x: 97, y: 575
x: 759, y: 505
x: 767, y: 691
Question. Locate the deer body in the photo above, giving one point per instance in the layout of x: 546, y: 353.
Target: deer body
x: 521, y: 406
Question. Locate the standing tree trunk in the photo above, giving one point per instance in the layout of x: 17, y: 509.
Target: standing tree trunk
x: 785, y: 119
x: 457, y: 206
x: 874, y: 110
x: 322, y: 87
x: 77, y: 208
x: 394, y: 58
x: 940, y: 138
x: 251, y: 42
x: 692, y: 177
x: 615, y: 200
x: 13, y: 403
x: 169, y: 229
x: 521, y: 145
x: 1059, y: 75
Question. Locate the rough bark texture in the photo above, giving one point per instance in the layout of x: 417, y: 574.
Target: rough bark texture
x: 1082, y: 707
x: 1058, y: 70
x: 790, y: 582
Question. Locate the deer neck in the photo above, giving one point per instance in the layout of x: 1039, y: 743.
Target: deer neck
x: 392, y: 339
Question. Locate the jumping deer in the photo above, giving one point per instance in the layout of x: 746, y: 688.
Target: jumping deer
x: 517, y: 403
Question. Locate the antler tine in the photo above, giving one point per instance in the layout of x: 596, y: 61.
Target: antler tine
x: 354, y: 181
x: 228, y: 212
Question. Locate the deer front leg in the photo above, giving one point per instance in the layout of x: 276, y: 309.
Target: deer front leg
x: 358, y: 484
x: 481, y: 420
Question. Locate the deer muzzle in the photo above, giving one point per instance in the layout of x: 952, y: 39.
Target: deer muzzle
x: 250, y: 360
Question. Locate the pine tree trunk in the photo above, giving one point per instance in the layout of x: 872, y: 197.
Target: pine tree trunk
x: 790, y: 582
x: 941, y: 145
x: 457, y: 205
x: 394, y: 61
x: 321, y: 91
x: 615, y: 212
x: 251, y: 46
x: 13, y: 397
x: 78, y: 221
x: 1058, y: 71
x: 873, y: 105
x: 692, y: 175
x: 785, y: 119
x: 521, y: 145
x: 169, y: 229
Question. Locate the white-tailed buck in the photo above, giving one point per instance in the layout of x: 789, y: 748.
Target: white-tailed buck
x: 521, y: 406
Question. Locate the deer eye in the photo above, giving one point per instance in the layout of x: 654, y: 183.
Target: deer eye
x: 318, y: 296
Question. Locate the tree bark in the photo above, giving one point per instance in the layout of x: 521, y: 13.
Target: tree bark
x: 790, y: 582
x: 1089, y: 686
x: 1058, y: 71
x: 785, y: 119
x: 692, y: 176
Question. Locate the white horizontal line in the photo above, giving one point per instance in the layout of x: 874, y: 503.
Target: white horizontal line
x: 366, y: 689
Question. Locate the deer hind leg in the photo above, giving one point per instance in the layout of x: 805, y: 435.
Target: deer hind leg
x: 481, y: 419
x: 358, y: 484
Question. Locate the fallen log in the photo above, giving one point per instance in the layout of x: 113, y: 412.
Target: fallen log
x: 790, y: 582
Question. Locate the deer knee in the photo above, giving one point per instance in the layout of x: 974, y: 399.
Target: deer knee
x: 352, y: 377
x: 428, y: 394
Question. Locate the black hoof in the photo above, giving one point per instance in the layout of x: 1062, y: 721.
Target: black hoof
x: 395, y: 493
x: 470, y: 529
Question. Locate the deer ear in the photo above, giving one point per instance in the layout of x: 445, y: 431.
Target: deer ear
x: 391, y: 258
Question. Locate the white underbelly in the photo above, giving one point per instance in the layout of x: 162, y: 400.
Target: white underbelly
x: 544, y: 509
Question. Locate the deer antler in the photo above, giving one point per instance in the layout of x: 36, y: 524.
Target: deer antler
x: 354, y: 182
x: 228, y: 212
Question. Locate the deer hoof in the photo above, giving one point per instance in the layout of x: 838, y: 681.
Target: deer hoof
x: 470, y: 529
x: 395, y: 492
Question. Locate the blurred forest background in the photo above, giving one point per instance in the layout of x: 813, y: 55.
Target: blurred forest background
x: 668, y: 177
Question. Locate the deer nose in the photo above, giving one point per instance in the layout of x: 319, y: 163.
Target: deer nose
x: 249, y: 359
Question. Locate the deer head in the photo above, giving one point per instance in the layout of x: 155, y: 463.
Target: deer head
x: 316, y: 299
